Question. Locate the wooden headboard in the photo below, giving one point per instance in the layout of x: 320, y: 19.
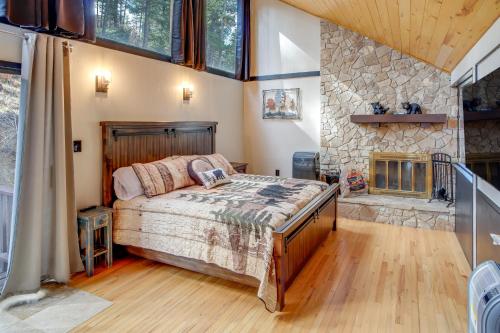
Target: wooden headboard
x: 125, y: 143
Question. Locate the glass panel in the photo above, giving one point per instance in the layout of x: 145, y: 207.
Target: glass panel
x: 406, y: 167
x: 393, y: 175
x: 420, y: 171
x: 479, y: 168
x: 143, y: 24
x: 495, y: 174
x: 10, y: 87
x: 380, y: 174
x: 221, y: 34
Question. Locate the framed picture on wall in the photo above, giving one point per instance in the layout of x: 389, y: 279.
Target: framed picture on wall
x: 281, y: 104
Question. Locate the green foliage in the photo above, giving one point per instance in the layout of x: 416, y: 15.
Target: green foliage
x: 141, y: 23
x: 221, y: 34
x: 10, y: 88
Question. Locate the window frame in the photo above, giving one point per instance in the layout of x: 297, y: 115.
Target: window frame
x: 122, y: 47
x: 220, y: 72
x: 13, y: 68
x: 9, y: 67
x: 118, y: 46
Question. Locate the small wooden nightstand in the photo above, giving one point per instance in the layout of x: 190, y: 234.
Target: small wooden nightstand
x: 99, y: 218
x: 240, y: 167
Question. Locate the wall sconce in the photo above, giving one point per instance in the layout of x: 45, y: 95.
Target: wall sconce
x: 102, y: 81
x: 187, y: 94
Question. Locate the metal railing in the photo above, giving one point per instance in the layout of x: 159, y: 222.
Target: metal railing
x: 477, y: 217
x: 5, y: 221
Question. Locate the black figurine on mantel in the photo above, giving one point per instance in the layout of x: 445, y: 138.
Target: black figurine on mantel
x: 412, y: 108
x: 378, y: 108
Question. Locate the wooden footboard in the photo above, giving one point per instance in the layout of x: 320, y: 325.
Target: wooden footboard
x: 297, y: 240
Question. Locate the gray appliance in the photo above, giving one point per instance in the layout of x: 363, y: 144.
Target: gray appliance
x: 306, y: 165
x: 484, y: 298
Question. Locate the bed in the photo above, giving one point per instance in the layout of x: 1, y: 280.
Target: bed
x: 257, y: 230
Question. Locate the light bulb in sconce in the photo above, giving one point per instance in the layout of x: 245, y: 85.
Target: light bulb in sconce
x: 187, y: 94
x: 102, y: 81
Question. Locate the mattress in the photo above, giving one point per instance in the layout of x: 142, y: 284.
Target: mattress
x: 230, y: 226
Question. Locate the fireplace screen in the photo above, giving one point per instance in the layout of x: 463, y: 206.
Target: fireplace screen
x: 401, y: 174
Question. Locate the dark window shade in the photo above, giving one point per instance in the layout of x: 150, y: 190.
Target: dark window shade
x: 69, y: 18
x: 188, y: 33
x: 243, y: 41
x: 143, y: 24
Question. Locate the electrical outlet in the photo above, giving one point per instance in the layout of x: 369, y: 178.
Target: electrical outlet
x: 277, y: 172
x: 77, y: 146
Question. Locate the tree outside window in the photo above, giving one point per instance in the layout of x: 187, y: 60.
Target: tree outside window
x: 141, y: 23
x: 221, y: 34
x: 10, y: 89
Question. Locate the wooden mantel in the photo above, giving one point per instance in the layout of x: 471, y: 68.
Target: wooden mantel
x: 425, y: 120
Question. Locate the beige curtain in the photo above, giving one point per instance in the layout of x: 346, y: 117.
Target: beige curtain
x: 44, y: 238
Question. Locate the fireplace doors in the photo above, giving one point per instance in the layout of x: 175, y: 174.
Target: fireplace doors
x: 401, y: 174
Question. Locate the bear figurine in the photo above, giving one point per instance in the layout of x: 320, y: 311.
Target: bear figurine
x: 412, y: 108
x: 378, y: 108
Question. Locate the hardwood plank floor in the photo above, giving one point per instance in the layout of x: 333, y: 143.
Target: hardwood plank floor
x: 366, y: 277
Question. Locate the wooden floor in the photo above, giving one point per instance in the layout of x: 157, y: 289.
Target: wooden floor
x: 366, y: 277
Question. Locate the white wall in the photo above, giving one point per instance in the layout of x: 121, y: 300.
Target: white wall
x: 142, y: 89
x: 284, y: 40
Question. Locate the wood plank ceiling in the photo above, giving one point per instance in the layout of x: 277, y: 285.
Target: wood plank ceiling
x: 439, y: 32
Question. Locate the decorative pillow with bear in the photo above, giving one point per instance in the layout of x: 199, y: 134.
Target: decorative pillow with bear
x: 196, y: 165
x: 213, y: 178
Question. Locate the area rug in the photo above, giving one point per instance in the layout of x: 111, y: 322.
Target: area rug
x: 61, y: 310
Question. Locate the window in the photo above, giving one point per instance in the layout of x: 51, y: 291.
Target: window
x: 143, y: 27
x: 144, y: 24
x: 10, y: 90
x: 221, y: 34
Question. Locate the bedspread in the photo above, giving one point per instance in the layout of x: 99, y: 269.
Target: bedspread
x: 230, y: 226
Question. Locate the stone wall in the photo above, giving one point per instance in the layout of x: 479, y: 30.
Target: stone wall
x: 356, y: 71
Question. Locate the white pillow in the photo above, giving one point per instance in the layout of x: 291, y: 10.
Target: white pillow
x: 213, y: 178
x: 127, y: 185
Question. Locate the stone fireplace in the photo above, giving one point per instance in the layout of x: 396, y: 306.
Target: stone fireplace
x: 357, y: 71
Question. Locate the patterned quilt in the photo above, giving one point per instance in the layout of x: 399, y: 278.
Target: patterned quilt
x: 230, y: 225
